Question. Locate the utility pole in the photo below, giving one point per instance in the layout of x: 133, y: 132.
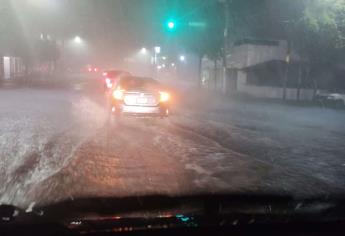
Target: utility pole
x: 3, y: 11
x: 225, y: 44
x: 286, y: 73
x: 287, y: 58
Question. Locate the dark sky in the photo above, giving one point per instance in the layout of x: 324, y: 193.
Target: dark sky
x: 137, y: 23
x: 115, y: 28
x: 133, y: 23
x: 122, y: 26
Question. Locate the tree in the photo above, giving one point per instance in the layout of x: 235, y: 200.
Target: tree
x: 320, y: 30
x: 318, y: 35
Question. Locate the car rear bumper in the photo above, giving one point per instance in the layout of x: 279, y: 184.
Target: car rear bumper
x: 141, y: 110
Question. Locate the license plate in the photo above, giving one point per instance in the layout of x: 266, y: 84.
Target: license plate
x: 142, y: 100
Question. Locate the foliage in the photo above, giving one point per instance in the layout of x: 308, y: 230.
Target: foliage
x: 317, y: 31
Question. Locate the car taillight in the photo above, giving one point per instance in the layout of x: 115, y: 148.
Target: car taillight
x: 109, y: 83
x: 118, y: 94
x: 164, y: 96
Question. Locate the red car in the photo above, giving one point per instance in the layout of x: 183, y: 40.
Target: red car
x: 93, y: 69
x: 111, y: 76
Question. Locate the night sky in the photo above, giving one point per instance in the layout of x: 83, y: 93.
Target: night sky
x: 117, y: 28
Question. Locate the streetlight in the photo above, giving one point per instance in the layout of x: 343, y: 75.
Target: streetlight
x: 77, y: 40
x: 157, y: 51
x: 143, y: 51
x: 182, y: 58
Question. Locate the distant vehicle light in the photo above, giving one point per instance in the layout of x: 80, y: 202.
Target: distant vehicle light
x: 95, y: 69
x: 108, y: 83
x: 105, y: 74
x: 89, y: 69
x: 164, y: 96
x: 118, y: 94
x: 157, y: 49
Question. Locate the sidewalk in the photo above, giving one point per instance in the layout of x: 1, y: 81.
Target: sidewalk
x: 217, y: 99
x: 11, y: 83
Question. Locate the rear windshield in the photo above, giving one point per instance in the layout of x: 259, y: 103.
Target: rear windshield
x: 133, y: 83
x: 115, y: 74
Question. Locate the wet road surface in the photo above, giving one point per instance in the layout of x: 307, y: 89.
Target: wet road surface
x: 58, y: 143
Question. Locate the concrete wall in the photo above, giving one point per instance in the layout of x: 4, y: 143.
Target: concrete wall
x: 247, y: 55
x: 270, y: 92
x: 212, y: 77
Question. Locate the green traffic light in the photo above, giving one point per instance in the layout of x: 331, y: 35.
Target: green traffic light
x: 171, y: 25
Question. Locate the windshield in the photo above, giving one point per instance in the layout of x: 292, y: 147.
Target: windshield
x: 250, y: 99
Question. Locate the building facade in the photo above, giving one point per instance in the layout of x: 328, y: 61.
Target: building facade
x: 11, y: 68
x: 259, y: 68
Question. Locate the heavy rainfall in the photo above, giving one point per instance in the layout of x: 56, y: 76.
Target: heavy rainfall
x: 247, y: 97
